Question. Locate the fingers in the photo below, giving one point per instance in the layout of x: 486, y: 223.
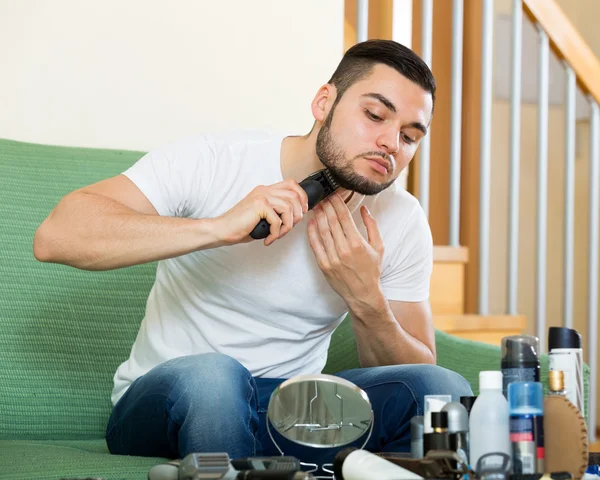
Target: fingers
x: 317, y: 246
x: 293, y: 187
x: 294, y: 199
x: 290, y: 202
x: 327, y: 218
x: 373, y: 233
x: 280, y: 214
x: 274, y: 220
x: 326, y: 235
x: 283, y: 205
x: 285, y: 211
x: 337, y: 206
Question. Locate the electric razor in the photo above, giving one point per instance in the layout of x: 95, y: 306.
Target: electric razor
x: 317, y: 185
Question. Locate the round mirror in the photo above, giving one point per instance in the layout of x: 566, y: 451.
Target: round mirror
x: 320, y: 411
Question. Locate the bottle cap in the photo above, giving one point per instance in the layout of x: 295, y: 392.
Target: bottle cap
x: 562, y: 337
x: 520, y: 350
x: 467, y: 402
x: 490, y: 380
x: 525, y: 397
x: 439, y: 420
x: 458, y: 417
x: 556, y: 380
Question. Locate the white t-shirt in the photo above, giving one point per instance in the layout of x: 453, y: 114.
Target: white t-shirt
x: 271, y: 308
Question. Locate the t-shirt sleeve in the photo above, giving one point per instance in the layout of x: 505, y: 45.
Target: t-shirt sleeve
x: 176, y: 178
x: 407, y: 271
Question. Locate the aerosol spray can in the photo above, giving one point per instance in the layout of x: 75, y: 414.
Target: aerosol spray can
x: 565, y: 353
x: 526, y: 408
x: 520, y: 362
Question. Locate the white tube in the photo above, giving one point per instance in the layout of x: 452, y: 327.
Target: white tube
x: 363, y: 465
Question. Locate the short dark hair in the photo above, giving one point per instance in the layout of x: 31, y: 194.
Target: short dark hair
x: 360, y: 59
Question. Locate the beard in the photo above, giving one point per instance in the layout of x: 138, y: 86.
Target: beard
x: 333, y: 157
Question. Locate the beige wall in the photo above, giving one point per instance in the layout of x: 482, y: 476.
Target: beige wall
x: 139, y: 73
x: 582, y: 14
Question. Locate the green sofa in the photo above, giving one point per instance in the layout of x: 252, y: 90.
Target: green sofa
x: 64, y: 331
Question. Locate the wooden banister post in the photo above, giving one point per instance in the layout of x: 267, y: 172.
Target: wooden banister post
x: 471, y: 127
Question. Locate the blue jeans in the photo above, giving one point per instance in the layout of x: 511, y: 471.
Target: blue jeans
x: 211, y: 403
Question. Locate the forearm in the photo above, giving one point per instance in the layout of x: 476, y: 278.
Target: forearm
x: 92, y: 232
x: 381, y: 340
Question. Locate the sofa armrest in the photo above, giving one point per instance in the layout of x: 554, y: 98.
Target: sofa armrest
x: 468, y: 358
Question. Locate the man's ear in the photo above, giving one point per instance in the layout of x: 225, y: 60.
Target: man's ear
x: 323, y: 101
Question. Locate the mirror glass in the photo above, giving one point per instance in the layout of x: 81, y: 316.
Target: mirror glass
x: 320, y: 411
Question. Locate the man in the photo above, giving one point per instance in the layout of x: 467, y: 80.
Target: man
x: 229, y: 318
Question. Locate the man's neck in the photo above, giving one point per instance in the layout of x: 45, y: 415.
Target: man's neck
x: 299, y: 159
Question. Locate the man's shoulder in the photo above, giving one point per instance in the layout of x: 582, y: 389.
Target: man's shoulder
x: 241, y: 137
x: 216, y: 141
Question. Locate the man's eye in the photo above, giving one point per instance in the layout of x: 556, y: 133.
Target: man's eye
x: 407, y: 139
x: 372, y: 116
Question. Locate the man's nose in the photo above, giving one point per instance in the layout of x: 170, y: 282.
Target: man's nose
x: 390, y: 142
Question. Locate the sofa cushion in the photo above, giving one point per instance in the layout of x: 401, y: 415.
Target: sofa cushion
x: 55, y: 460
x: 63, y: 331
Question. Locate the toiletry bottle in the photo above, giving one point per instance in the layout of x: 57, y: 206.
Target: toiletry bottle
x: 526, y: 406
x: 433, y: 403
x: 416, y: 436
x: 458, y: 429
x: 438, y: 439
x: 488, y: 423
x: 565, y: 353
x: 520, y: 362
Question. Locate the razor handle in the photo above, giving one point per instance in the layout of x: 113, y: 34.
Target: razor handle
x: 315, y: 192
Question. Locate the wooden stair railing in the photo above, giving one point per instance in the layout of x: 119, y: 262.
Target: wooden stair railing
x: 567, y: 43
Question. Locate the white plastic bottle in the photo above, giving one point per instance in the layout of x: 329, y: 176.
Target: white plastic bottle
x: 489, y: 419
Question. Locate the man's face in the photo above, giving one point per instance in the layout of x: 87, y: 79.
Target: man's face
x: 375, y: 132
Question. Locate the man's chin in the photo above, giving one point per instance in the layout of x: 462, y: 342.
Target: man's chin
x: 366, y: 187
x: 364, y: 183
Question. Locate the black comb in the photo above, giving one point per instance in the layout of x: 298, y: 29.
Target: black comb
x: 318, y: 185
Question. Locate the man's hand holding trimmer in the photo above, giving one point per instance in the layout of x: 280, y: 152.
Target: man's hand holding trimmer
x: 271, y: 211
x: 283, y: 205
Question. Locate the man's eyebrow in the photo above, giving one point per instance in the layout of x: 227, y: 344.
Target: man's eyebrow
x: 418, y: 126
x: 392, y: 108
x: 382, y: 99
